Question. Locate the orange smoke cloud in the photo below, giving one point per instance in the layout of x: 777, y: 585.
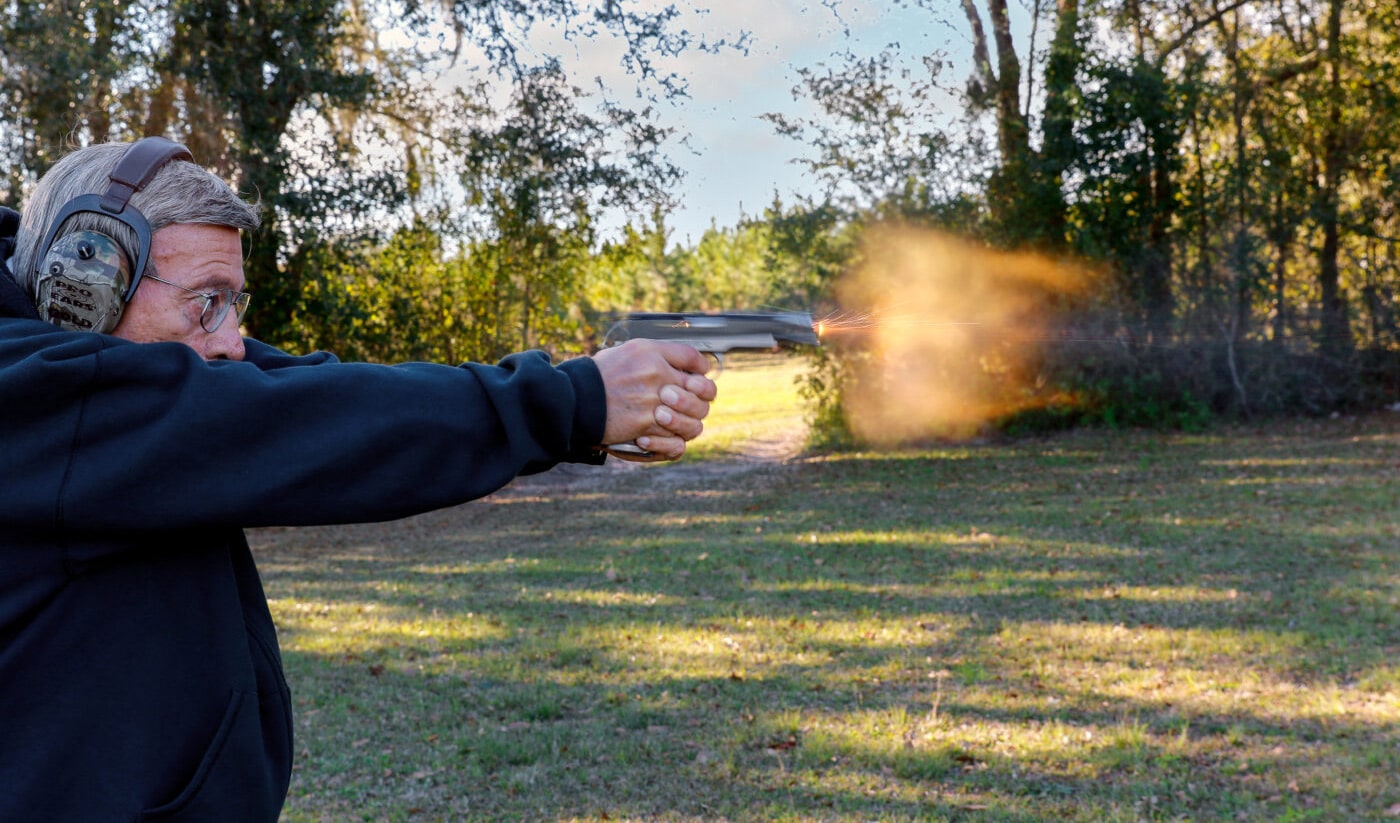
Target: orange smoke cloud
x: 947, y: 332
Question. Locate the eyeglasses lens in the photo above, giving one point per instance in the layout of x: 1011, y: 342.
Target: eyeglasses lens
x: 217, y: 306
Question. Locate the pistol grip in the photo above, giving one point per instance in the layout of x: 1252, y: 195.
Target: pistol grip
x: 620, y: 449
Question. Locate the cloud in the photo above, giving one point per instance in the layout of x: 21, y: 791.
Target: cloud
x: 730, y: 48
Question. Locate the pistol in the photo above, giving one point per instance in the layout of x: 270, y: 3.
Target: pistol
x: 717, y: 333
x: 714, y: 334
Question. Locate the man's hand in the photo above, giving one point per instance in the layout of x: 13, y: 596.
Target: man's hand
x: 657, y: 395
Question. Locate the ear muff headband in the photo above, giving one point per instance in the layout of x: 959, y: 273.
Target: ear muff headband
x: 9, y: 227
x: 136, y: 168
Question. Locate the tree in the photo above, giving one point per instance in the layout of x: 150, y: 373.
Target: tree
x: 1025, y: 196
x: 632, y: 273
x: 877, y: 145
x: 1124, y: 199
x: 62, y: 74
x: 284, y: 97
x: 1195, y: 148
x: 538, y: 177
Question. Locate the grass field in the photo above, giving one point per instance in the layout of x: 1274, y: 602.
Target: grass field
x: 1095, y: 626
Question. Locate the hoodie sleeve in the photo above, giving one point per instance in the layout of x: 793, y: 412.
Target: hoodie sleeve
x: 102, y: 434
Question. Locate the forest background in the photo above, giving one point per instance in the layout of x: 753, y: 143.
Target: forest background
x: 1227, y: 171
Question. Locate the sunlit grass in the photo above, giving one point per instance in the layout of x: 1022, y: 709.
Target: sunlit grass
x: 758, y: 406
x: 1093, y: 627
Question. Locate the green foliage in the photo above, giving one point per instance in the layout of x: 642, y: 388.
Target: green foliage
x: 407, y: 300
x: 1127, y: 162
x: 824, y: 388
x: 1144, y: 401
x: 634, y: 272
x: 61, y: 70
x: 809, y: 247
x: 786, y: 259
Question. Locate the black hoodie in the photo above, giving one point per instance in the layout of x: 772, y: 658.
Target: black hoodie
x: 139, y: 672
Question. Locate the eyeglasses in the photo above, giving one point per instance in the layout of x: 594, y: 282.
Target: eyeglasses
x: 216, y: 304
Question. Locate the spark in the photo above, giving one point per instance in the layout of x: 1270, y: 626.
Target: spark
x: 856, y: 322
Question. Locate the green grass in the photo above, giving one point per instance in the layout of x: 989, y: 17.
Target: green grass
x: 1092, y: 627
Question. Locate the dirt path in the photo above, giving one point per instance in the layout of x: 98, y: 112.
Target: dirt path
x: 766, y: 453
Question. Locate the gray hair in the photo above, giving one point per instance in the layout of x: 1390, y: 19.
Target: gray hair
x: 181, y: 192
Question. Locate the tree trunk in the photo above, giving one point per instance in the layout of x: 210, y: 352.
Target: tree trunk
x: 1282, y: 237
x: 1009, y: 185
x: 1061, y: 93
x: 1012, y: 135
x: 1157, y: 287
x: 1336, y: 332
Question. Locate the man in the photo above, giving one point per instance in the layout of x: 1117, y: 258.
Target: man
x: 139, y: 671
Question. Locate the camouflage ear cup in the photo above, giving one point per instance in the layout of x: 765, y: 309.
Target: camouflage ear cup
x: 83, y: 280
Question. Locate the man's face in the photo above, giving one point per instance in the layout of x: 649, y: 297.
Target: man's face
x: 198, y: 257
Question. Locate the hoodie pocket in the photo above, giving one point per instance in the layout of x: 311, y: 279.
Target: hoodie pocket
x: 235, y: 780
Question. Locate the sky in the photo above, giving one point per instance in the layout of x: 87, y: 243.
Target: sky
x: 734, y: 160
x: 737, y: 161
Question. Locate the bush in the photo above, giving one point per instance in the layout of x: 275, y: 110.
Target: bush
x: 1185, y: 386
x: 823, y: 387
x: 1181, y: 387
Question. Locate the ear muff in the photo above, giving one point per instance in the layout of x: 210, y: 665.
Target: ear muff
x: 83, y: 282
x: 84, y: 279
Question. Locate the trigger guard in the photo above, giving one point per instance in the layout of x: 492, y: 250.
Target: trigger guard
x: 719, y: 361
